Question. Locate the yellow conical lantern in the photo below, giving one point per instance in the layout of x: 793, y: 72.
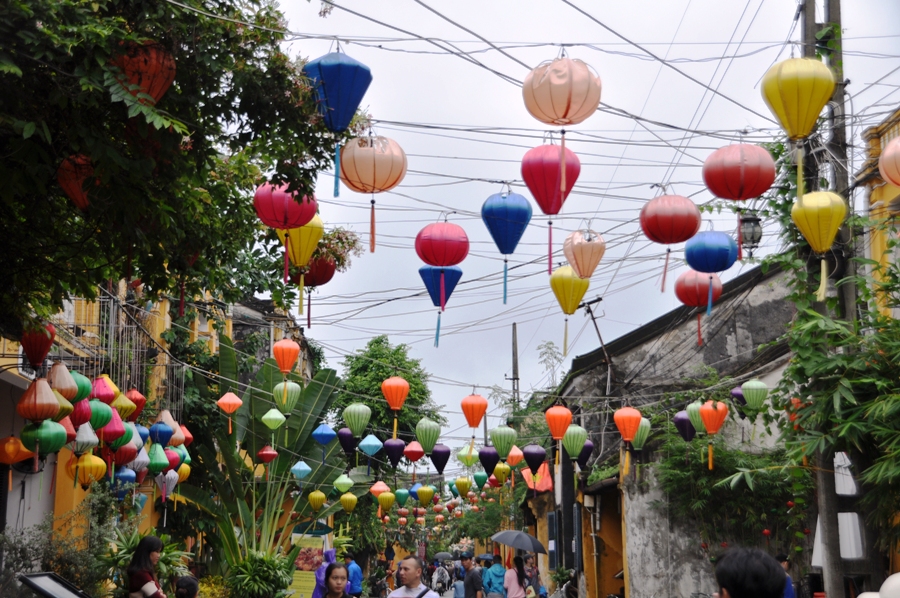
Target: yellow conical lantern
x: 316, y: 499
x: 348, y: 501
x: 819, y: 216
x: 463, y: 484
x: 303, y: 242
x: 796, y: 90
x: 569, y: 290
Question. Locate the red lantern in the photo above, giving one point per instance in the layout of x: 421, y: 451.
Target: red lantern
x: 493, y: 482
x: 71, y: 175
x: 459, y: 514
x: 278, y: 209
x: 36, y: 344
x: 148, y: 66
x: 475, y: 509
x: 286, y: 352
x: 695, y: 290
x: 558, y: 420
x: 125, y: 453
x: 713, y: 414
x: 139, y: 400
x: 100, y: 389
x: 188, y: 437
x: 413, y: 451
x: 550, y: 173
x: 402, y: 521
x: 738, y: 172
x: 319, y: 271
x: 442, y: 244
x: 70, y: 429
x: 438, y: 508
x: 229, y: 403
x: 473, y: 407
x: 266, y: 454
x: 669, y: 219
x: 403, y: 511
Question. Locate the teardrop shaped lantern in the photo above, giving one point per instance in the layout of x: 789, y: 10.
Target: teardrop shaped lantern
x: 38, y: 402
x: 316, y: 500
x: 357, y: 416
x: 71, y: 176
x: 755, y: 393
x: 395, y: 390
x: 229, y: 403
x: 426, y: 493
x: 819, y: 216
x: 713, y: 414
x: 488, y: 457
x: 462, y: 485
x: 481, y: 478
x: 558, y: 420
x: 372, y: 165
x: 573, y: 440
x: 889, y: 162
x: 324, y: 434
x: 569, y: 289
x: 584, y: 249
x: 474, y: 407
x: 698, y: 290
x: 506, y: 216
x: 796, y: 90
x: 535, y: 455
x: 684, y: 426
x: 286, y: 395
x: 440, y: 455
x: 440, y: 283
x: 102, y: 390
x: 627, y: 420
x: 503, y: 438
x: 402, y: 495
x: 642, y: 434
x: 515, y: 456
x: 62, y: 381
x: 427, y: 433
x: 669, y: 219
x: 586, y: 451
x: 36, y: 343
x: 393, y: 448
x: 301, y: 243
x: 386, y: 501
x: 501, y: 472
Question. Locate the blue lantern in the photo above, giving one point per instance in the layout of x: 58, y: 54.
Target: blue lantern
x: 143, y: 432
x: 300, y: 470
x: 414, y: 491
x: 123, y: 477
x: 370, y: 445
x: 710, y: 252
x: 506, y: 215
x: 161, y: 433
x: 324, y: 435
x: 340, y: 83
x: 431, y: 276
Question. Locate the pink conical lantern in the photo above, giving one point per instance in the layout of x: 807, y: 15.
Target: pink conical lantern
x: 584, y: 249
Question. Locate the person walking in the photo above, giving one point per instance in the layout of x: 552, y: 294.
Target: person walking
x: 410, y: 575
x: 142, y: 579
x: 459, y: 589
x: 492, y: 578
x: 749, y: 573
x: 788, y: 582
x: 532, y: 575
x: 514, y: 580
x: 472, y: 583
x: 354, y: 575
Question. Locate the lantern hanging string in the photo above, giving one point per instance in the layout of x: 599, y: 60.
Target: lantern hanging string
x: 302, y: 285
x: 823, y: 279
x: 709, y: 297
x: 437, y: 340
x: 337, y: 169
x: 372, y: 226
x: 566, y: 338
x: 562, y: 164
x: 505, y: 274
x: 443, y: 291
x: 549, y: 247
x: 665, y: 270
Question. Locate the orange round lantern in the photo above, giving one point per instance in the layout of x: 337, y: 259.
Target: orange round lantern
x: 286, y: 352
x: 558, y: 420
x: 379, y: 487
x: 628, y: 420
x: 402, y: 521
x: 38, y: 403
x: 395, y: 390
x: 889, y: 162
x: 149, y: 66
x: 561, y: 92
x: 12, y: 451
x: 473, y: 407
x: 229, y: 403
x: 713, y: 414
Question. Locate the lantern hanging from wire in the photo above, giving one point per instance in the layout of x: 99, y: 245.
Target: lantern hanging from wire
x: 324, y: 434
x: 229, y: 403
x: 481, y: 478
x: 693, y: 411
x: 348, y: 442
x: 285, y: 352
x: 755, y: 393
x: 474, y: 407
x: 584, y: 249
x: 66, y: 423
x: 348, y: 502
x: 573, y: 440
x: 819, y: 216
x: 277, y: 208
x: 713, y: 414
x: 584, y: 456
x: 123, y: 405
x: 627, y: 420
x: 506, y: 216
x: 300, y: 470
x: 427, y: 433
x: 437, y: 281
x: 468, y: 457
x: 319, y: 271
x: 515, y: 456
x: 503, y: 439
x: 710, y: 252
x: 669, y: 219
x: 796, y: 90
x: 684, y: 426
x: 569, y: 290
x: 889, y: 162
x: 393, y: 448
x: 413, y: 452
x: 441, y: 245
x: 402, y: 495
x: 378, y: 487
x: 440, y: 455
x: 71, y: 176
x: 558, y: 420
x: 488, y: 457
x: 749, y: 233
x: 395, y: 390
x: 372, y: 164
x: 147, y: 68
x: 61, y: 380
x: 316, y: 500
x: 370, y: 445
x: 343, y: 483
x: 356, y: 416
x: 301, y: 243
x: 138, y: 400
x: 36, y: 343
x: 695, y: 290
x: 535, y: 455
x: 85, y: 440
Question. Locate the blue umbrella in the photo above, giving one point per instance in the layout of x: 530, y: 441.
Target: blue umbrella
x: 431, y: 276
x: 710, y: 252
x: 340, y: 83
x: 506, y: 215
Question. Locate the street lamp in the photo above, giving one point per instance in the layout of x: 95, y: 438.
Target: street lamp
x: 751, y: 233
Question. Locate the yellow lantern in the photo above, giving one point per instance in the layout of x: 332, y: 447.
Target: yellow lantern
x: 184, y: 472
x: 501, y: 472
x: 123, y: 405
x: 316, y: 499
x: 561, y: 92
x: 348, y: 501
x: 302, y: 243
x: 386, y: 500
x: 463, y: 484
x: 86, y: 469
x: 796, y: 90
x: 819, y: 216
x: 372, y: 165
x: 569, y: 290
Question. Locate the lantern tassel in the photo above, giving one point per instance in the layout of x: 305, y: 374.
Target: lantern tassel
x: 337, y: 170
x: 443, y: 291
x: 437, y: 340
x: 709, y: 297
x: 302, y: 285
x: 823, y: 282
x: 505, y: 272
x: 10, y: 477
x: 37, y: 448
x: 372, y: 227
x: 395, y: 422
x: 699, y: 330
x: 550, y: 247
x: 287, y: 241
x: 710, y: 458
x: 665, y: 270
x: 181, y: 302
x: 308, y: 309
x: 800, y: 190
x: 566, y: 338
x: 229, y: 424
x: 627, y: 467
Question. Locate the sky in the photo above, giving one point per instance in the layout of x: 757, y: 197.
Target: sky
x: 446, y: 96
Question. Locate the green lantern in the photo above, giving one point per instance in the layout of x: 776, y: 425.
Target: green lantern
x: 184, y: 454
x: 343, y: 483
x: 755, y: 393
x: 44, y: 438
x: 123, y: 439
x: 84, y: 386
x: 693, y: 411
x: 158, y: 460
x: 453, y: 489
x: 642, y: 434
x: 401, y: 495
x: 286, y: 395
x: 427, y: 433
x: 357, y: 416
x: 101, y: 414
x: 426, y: 493
x: 481, y: 479
x: 503, y: 438
x: 273, y: 419
x: 467, y: 456
x: 574, y: 439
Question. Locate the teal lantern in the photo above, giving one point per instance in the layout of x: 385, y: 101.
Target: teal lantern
x: 573, y: 440
x: 427, y: 433
x: 642, y: 434
x: 300, y: 470
x: 343, y: 483
x: 481, y: 479
x: 357, y: 416
x: 158, y: 459
x: 755, y: 393
x: 504, y: 438
x: 286, y: 395
x: 453, y: 490
x: 693, y: 411
x: 370, y: 445
x: 402, y: 495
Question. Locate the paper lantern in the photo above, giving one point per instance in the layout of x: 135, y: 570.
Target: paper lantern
x: 102, y: 390
x: 627, y: 419
x: 85, y: 440
x: 586, y: 451
x: 84, y: 387
x: 684, y: 426
x: 889, y: 162
x: 474, y: 407
x: 149, y: 67
x: 506, y: 216
x: 165, y: 416
x: 569, y: 290
x: 300, y: 244
x: 401, y: 495
x: 468, y: 456
x: 81, y: 413
x: 393, y: 448
x: 710, y: 251
x: 440, y: 455
x: 71, y: 175
x: 316, y: 500
x: 738, y: 172
x: 343, y: 483
x: 535, y: 455
x: 584, y: 249
x: 286, y: 394
x: 348, y: 502
x: 427, y: 433
x: 357, y: 416
x: 123, y: 405
x: 36, y: 343
x: 43, y: 438
x: 489, y: 458
x: 188, y: 437
x: 413, y: 451
x: 62, y: 381
x: 426, y: 493
x: 669, y: 219
x: 573, y: 440
x: 501, y: 472
x: 183, y: 453
x: 300, y: 470
x: 440, y: 283
x: 65, y: 407
x: 558, y: 420
x: 515, y: 456
x: 693, y: 411
x: 819, y: 216
x: 101, y: 416
x: 698, y: 290
x: 503, y: 438
x: 139, y: 401
x: 755, y: 393
x: 642, y: 434
x: 229, y: 403
x: 481, y: 478
x: 378, y: 487
x: 340, y: 82
x: 38, y: 402
x: 184, y: 472
x: 370, y: 445
x: 273, y: 419
x: 386, y: 500
x: 796, y: 90
x: 561, y: 92
x: 713, y: 415
x: 86, y: 470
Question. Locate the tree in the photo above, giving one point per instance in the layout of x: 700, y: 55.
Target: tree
x: 169, y: 183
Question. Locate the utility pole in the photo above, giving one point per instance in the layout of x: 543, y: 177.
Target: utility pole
x: 609, y: 371
x: 515, y: 367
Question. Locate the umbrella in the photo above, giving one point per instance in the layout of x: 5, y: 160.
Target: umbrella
x: 443, y: 556
x: 519, y: 540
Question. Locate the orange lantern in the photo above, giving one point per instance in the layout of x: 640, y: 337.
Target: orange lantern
x: 889, y: 162
x: 558, y: 420
x: 395, y: 390
x: 515, y: 456
x: 71, y: 175
x: 285, y: 352
x: 11, y: 451
x: 474, y: 407
x: 379, y: 487
x: 713, y: 414
x: 38, y: 403
x: 229, y: 403
x: 628, y: 420
x: 584, y: 249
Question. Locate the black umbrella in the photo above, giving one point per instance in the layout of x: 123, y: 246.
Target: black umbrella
x: 443, y: 556
x: 519, y: 540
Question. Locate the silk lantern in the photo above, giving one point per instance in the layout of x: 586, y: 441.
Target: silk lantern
x: 627, y: 420
x: 36, y: 343
x: 319, y: 271
x: 440, y: 455
x: 889, y: 162
x: 684, y: 426
x: 300, y: 470
x: 535, y: 455
x: 819, y: 216
x: 66, y: 423
x: 506, y: 216
x: 316, y: 500
x: 669, y: 219
x: 413, y: 452
x: 101, y: 416
x: 166, y: 417
x: 81, y: 413
x: 467, y: 456
x: 86, y: 470
x: 503, y: 438
x: 324, y: 435
x: 229, y: 403
x: 285, y: 352
x: 395, y: 390
x: 343, y: 483
x: 489, y: 458
x: 65, y: 407
x: 277, y: 208
x: 462, y: 485
x: 573, y: 440
x: 38, y: 402
x: 301, y: 243
x: 71, y: 176
x: 286, y: 395
x: 378, y: 487
x: 440, y: 283
x: 584, y: 249
x: 11, y: 451
x: 147, y: 66
x: 442, y: 244
x: 796, y: 90
x: 372, y: 165
x: 515, y: 456
x: 427, y: 433
x: 85, y: 440
x: 102, y: 390
x: 481, y: 478
x: 755, y: 393
x: 550, y: 174
x: 698, y: 290
x: 558, y: 420
x: 347, y: 441
x: 357, y: 416
x: 569, y: 290
x: 84, y: 387
x: 474, y: 407
x: 393, y: 448
x: 713, y: 414
x: 586, y: 451
x: 710, y: 252
x: 348, y: 502
x: 139, y: 401
x: 561, y: 92
x: 739, y: 172
x: 62, y: 381
x: 501, y: 472
x: 402, y: 495
x: 370, y: 445
x: 123, y: 405
x: 386, y: 501
x: 693, y: 411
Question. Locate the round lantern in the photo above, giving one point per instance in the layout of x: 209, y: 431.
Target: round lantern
x: 86, y: 470
x: 300, y: 244
x: 316, y: 499
x: 584, y: 249
x: 11, y: 451
x: 738, y: 172
x: 669, y: 219
x: 506, y: 215
x: 642, y: 434
x: 395, y: 390
x: 710, y: 251
x: 442, y: 244
x: 38, y: 402
x: 796, y: 90
x: 569, y: 289
x: 372, y: 165
x: 693, y: 411
x: 561, y: 92
x: 286, y: 395
x: 229, y: 403
x: 819, y: 216
x: 71, y: 175
x: 889, y: 162
x: 503, y: 438
x: 43, y: 438
x: 149, y: 67
x: 627, y: 420
x: 698, y: 290
x: 713, y: 414
x: 278, y: 208
x: 285, y: 353
x: 348, y: 502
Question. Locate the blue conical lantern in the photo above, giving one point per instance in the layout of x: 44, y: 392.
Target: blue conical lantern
x: 143, y: 432
x: 431, y: 276
x: 370, y: 445
x: 324, y: 435
x: 161, y: 433
x: 340, y: 83
x: 710, y: 252
x: 506, y: 215
x: 414, y: 491
x: 300, y: 470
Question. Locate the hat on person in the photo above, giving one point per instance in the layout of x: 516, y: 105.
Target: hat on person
x: 466, y: 555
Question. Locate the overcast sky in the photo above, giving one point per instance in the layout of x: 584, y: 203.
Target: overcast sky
x: 483, y: 130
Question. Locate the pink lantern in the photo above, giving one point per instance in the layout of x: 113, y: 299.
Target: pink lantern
x: 280, y: 210
x: 442, y: 244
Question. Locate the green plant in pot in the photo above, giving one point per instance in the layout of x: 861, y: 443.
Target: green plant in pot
x: 260, y: 575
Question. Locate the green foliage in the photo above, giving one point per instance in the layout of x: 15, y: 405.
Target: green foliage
x: 603, y: 473
x: 560, y: 576
x: 261, y: 575
x: 172, y: 561
x: 214, y: 586
x: 483, y: 524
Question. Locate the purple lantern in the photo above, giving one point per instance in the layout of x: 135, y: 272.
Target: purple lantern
x: 737, y: 393
x: 535, y: 455
x: 440, y: 455
x: 489, y: 458
x: 684, y: 425
x: 393, y: 447
x: 348, y: 442
x: 585, y: 453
